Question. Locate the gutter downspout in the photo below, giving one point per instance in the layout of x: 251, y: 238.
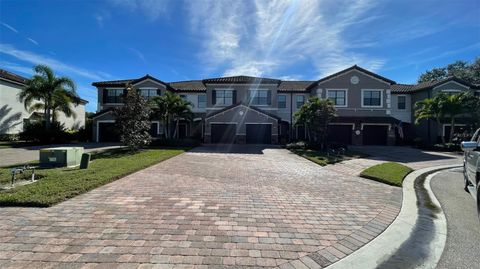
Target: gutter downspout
x: 291, y: 117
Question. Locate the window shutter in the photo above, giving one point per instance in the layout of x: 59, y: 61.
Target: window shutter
x: 269, y: 97
x: 159, y: 92
x: 214, y: 97
x: 104, y: 96
x: 234, y: 97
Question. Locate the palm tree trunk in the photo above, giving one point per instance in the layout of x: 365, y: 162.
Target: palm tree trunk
x: 443, y: 135
x: 175, y: 133
x: 452, y: 127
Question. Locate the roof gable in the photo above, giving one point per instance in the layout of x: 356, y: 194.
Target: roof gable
x: 354, y: 67
x: 234, y: 106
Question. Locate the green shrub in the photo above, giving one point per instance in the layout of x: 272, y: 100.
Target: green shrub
x: 297, y: 145
x: 36, y: 132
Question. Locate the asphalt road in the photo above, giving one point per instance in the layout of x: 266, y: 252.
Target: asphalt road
x: 462, y: 249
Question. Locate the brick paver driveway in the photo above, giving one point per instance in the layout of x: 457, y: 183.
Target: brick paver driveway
x: 205, y: 209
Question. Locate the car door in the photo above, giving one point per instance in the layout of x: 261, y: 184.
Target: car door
x: 471, y: 159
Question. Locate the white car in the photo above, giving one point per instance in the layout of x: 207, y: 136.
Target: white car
x: 471, y: 167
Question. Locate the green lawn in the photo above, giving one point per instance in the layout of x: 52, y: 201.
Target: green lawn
x: 390, y: 173
x: 59, y: 184
x: 322, y: 158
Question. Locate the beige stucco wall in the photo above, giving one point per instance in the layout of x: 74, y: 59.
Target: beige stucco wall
x: 405, y: 115
x: 76, y: 122
x: 12, y: 111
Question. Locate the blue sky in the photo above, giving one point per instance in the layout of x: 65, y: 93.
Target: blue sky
x: 181, y: 40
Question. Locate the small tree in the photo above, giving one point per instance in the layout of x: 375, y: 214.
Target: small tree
x: 133, y: 120
x: 54, y: 93
x: 453, y: 106
x: 171, y: 108
x: 430, y: 108
x: 315, y: 115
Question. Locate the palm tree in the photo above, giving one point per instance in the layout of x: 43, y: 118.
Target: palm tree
x: 453, y: 106
x: 60, y: 103
x: 53, y: 93
x: 430, y: 108
x: 171, y: 107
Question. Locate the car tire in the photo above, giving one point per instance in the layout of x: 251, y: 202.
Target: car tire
x: 465, y: 179
x: 478, y: 201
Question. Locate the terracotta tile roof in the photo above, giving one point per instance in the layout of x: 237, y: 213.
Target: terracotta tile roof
x: 5, y: 75
x: 188, y: 86
x: 295, y: 85
x: 242, y: 80
x: 410, y: 88
x: 113, y: 83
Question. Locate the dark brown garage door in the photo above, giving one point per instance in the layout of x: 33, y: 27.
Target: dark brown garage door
x: 375, y: 134
x: 259, y: 133
x: 107, y: 132
x: 340, y: 134
x: 223, y: 133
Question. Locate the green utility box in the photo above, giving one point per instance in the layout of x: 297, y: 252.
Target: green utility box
x: 61, y: 157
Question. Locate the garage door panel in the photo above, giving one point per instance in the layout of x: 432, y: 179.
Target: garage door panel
x: 223, y: 133
x: 340, y: 134
x: 375, y: 135
x: 107, y: 132
x: 259, y: 133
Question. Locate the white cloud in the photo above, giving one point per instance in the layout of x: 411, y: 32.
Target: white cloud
x: 34, y: 58
x: 266, y: 37
x: 10, y: 27
x: 152, y: 9
x: 32, y: 40
x: 138, y: 54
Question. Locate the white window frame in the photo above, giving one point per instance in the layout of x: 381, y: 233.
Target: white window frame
x: 285, y: 101
x: 198, y: 101
x: 346, y: 96
x: 401, y: 109
x: 223, y: 89
x: 148, y: 88
x: 256, y: 91
x: 381, y: 98
x: 107, y: 89
x: 304, y: 100
x: 158, y: 126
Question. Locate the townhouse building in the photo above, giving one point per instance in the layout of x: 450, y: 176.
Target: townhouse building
x: 371, y: 109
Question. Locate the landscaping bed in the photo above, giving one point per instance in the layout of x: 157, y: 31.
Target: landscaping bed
x: 59, y: 184
x: 390, y: 173
x: 323, y: 158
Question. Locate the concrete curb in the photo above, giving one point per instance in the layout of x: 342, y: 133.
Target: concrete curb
x: 385, y: 246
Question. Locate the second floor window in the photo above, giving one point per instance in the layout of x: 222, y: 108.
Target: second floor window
x: 113, y: 96
x: 372, y: 98
x: 259, y: 97
x: 148, y: 93
x: 338, y: 97
x: 300, y: 100
x: 282, y: 101
x: 202, y: 101
x: 223, y: 97
x: 401, y: 102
